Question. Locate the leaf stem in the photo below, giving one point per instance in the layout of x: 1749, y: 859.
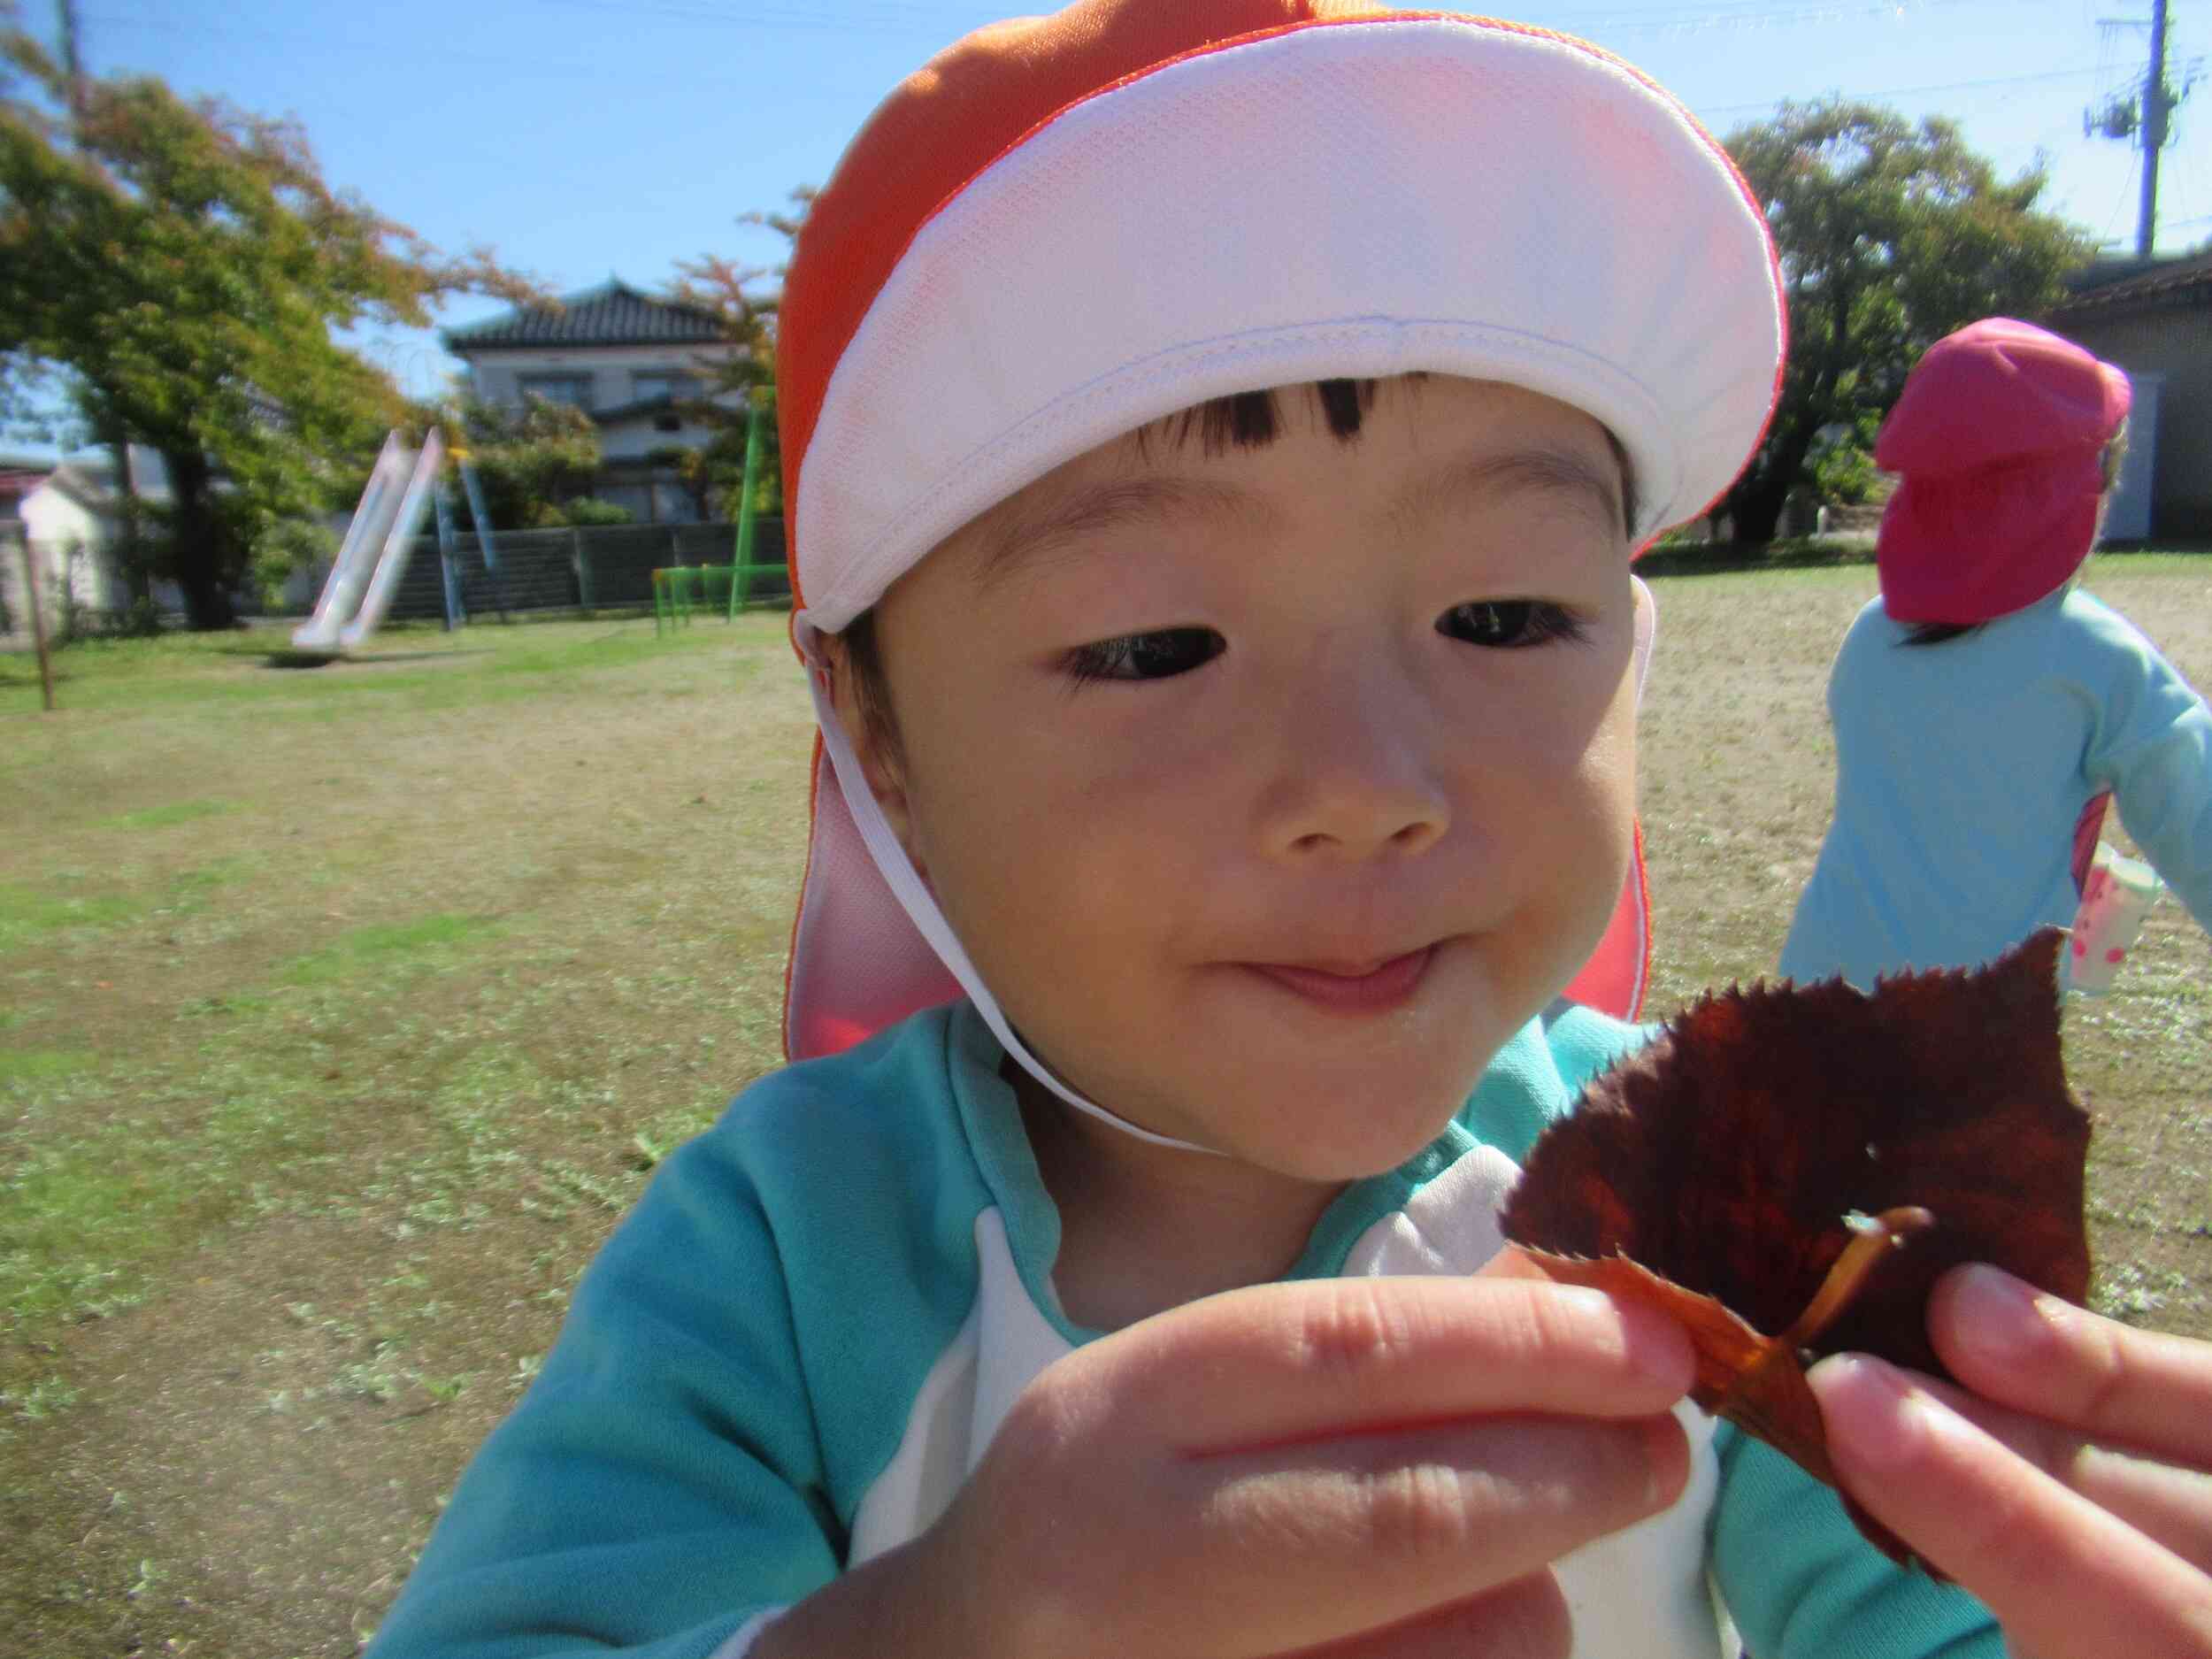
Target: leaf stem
x: 1871, y: 1239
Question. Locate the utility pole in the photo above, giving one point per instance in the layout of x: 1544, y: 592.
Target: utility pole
x: 2154, y: 112
x: 72, y: 61
x: 2144, y: 117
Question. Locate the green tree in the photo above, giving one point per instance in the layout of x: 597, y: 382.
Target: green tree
x: 1891, y: 235
x: 744, y: 298
x: 285, y: 548
x: 185, y: 267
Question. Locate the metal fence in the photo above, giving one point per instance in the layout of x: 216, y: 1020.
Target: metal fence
x: 597, y: 568
x: 604, y: 567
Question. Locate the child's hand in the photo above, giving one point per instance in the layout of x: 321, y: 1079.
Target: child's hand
x: 1378, y: 1466
x: 2078, y: 1505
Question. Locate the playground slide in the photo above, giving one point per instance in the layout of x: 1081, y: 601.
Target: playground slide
x: 367, y: 569
x: 371, y: 519
x: 398, y: 544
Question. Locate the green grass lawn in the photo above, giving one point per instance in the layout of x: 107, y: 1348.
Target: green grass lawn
x: 343, y: 1011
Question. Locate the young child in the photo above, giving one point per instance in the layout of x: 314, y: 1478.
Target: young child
x: 1983, y: 701
x: 1221, y: 784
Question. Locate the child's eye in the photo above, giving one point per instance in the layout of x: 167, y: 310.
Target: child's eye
x: 1510, y: 624
x: 1159, y: 655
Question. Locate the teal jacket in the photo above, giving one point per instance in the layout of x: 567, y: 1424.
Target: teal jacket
x: 788, y: 1357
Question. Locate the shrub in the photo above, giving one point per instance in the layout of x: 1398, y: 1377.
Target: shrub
x: 288, y: 546
x: 589, y: 510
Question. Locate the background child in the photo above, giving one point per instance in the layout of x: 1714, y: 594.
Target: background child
x: 1256, y: 765
x: 1984, y: 701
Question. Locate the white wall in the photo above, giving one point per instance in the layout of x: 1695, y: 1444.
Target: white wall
x: 497, y: 374
x: 633, y: 438
x: 72, y: 548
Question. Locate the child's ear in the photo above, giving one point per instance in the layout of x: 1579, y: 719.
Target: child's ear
x: 874, y: 738
x: 1647, y: 633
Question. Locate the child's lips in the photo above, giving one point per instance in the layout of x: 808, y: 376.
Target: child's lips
x: 1353, y: 987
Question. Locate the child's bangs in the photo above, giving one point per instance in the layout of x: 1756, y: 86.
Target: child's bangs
x: 1252, y: 420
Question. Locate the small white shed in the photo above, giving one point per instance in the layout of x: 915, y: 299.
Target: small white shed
x: 70, y: 511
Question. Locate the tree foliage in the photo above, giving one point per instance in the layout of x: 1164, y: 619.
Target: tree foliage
x: 531, y: 459
x: 742, y: 298
x: 185, y: 264
x: 283, y: 550
x: 1892, y: 234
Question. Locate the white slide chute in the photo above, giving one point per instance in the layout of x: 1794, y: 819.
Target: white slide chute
x: 370, y: 561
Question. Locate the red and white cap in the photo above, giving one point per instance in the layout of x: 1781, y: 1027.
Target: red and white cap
x: 1063, y: 227
x: 2000, y: 434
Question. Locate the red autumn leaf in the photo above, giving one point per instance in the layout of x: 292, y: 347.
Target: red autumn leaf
x: 1722, y: 1172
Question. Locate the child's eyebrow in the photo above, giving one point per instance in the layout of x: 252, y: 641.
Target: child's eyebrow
x: 1480, y: 481
x: 1025, y: 538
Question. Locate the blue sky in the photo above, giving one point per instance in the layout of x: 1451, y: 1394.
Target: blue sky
x: 579, y: 138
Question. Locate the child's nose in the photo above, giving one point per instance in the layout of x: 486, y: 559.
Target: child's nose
x: 1357, y: 773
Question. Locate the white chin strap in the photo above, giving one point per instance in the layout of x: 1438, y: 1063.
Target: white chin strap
x: 920, y: 904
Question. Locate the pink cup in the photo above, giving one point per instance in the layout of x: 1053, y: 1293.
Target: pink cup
x: 2115, y: 897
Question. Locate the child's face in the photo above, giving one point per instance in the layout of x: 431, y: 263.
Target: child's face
x: 1272, y: 791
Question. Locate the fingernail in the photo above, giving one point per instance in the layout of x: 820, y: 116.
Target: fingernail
x: 1875, y: 1418
x: 1654, y: 1344
x: 1591, y: 1304
x: 1996, y: 1315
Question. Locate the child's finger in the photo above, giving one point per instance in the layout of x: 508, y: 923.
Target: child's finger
x: 1526, y: 1619
x: 1375, y: 1525
x: 1284, y: 1362
x: 1297, y: 1548
x: 2171, y: 1503
x: 2008, y: 1342
x: 2060, y: 1572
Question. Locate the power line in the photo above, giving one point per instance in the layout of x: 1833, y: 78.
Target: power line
x: 1901, y: 92
x: 1744, y: 14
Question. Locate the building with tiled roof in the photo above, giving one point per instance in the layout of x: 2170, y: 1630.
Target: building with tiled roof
x: 2154, y: 317
x: 612, y: 314
x: 628, y: 359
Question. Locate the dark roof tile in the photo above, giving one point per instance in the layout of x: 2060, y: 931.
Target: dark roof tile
x: 612, y: 314
x: 2164, y: 281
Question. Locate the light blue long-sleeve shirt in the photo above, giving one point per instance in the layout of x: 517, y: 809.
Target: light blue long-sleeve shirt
x: 1962, y: 769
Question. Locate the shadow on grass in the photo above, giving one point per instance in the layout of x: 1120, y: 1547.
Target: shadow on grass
x: 1724, y: 558
x: 289, y: 659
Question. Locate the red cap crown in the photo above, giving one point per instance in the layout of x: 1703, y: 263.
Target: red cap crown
x: 946, y: 123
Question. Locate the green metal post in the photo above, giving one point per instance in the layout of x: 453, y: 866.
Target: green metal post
x: 741, y: 580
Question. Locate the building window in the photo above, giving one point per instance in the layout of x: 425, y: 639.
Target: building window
x: 572, y: 389
x: 663, y: 383
x: 673, y: 503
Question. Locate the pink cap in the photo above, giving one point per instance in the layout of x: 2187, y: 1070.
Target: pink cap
x: 1999, y: 437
